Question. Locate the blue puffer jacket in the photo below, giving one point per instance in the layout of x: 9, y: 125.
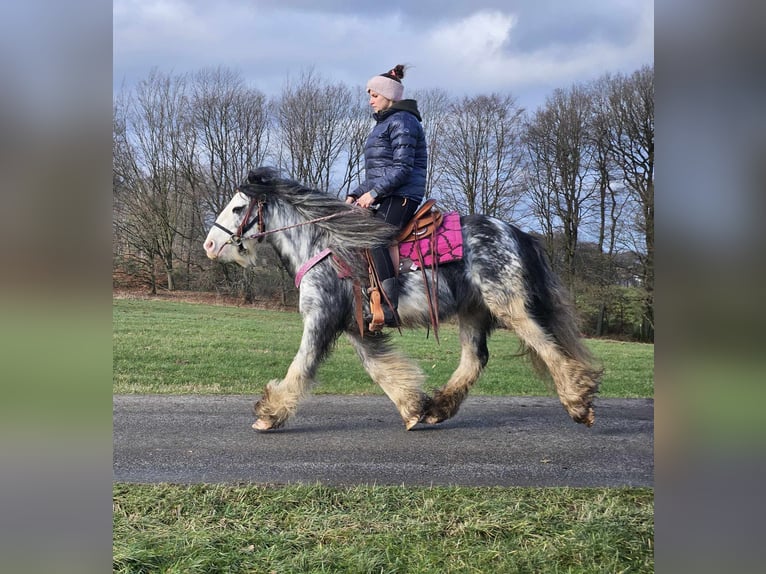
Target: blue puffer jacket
x: 395, y: 154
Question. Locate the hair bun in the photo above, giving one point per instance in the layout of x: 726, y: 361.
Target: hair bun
x: 397, y: 72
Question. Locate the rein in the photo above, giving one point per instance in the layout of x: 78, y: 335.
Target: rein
x: 236, y: 237
x: 262, y: 233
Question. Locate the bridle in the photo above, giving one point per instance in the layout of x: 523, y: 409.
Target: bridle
x: 235, y: 237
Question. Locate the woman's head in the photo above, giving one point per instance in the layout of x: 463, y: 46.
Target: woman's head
x: 386, y: 88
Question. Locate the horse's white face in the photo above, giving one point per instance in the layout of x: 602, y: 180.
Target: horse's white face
x: 217, y: 244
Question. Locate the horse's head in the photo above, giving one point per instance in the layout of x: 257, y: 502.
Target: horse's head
x: 227, y: 240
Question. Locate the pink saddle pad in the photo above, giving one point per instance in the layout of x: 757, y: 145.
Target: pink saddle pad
x: 449, y: 245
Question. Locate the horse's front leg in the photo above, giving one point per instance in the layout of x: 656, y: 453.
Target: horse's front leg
x: 280, y: 398
x: 474, y: 328
x: 399, y: 377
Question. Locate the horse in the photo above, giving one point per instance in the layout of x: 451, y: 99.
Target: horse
x: 503, y: 280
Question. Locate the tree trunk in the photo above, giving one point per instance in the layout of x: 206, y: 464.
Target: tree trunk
x: 283, y: 285
x: 152, y: 277
x: 600, y: 320
x: 169, y: 273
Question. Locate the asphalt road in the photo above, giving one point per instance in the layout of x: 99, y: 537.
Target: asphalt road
x: 343, y: 440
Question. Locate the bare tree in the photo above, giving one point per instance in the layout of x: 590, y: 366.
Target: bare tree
x: 612, y: 203
x: 316, y: 119
x: 154, y: 152
x: 480, y: 159
x: 561, y: 163
x: 631, y: 102
x: 232, y: 122
x: 358, y: 129
x: 611, y: 198
x: 232, y: 125
x: 433, y: 106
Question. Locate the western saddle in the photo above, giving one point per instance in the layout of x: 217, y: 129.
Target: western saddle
x: 423, y: 225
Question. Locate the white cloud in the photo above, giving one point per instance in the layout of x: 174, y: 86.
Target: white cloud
x: 560, y: 64
x: 477, y: 54
x: 472, y: 40
x: 489, y: 50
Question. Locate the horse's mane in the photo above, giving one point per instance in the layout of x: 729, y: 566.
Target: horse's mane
x: 351, y: 228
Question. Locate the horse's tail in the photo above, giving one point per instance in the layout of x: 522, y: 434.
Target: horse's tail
x: 548, y: 301
x: 550, y: 333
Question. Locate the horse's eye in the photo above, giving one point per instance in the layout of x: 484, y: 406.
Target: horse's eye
x: 238, y: 210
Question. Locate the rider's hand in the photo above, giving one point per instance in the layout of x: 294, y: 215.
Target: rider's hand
x: 366, y: 200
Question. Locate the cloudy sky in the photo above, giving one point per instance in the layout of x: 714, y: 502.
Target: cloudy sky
x: 525, y: 47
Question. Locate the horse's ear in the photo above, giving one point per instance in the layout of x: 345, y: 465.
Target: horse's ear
x: 257, y: 179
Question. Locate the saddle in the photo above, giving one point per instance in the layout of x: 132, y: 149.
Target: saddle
x: 422, y: 225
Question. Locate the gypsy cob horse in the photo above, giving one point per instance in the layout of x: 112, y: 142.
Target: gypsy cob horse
x: 503, y: 280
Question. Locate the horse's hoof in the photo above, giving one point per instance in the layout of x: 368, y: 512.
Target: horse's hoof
x: 432, y: 420
x: 261, y: 425
x: 411, y: 423
x: 588, y: 419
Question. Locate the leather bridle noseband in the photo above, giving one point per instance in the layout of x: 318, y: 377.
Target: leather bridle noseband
x: 235, y: 237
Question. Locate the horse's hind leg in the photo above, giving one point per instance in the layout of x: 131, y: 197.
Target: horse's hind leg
x: 399, y: 377
x: 561, y: 354
x: 473, y: 358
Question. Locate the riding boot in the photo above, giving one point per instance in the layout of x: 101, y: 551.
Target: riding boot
x: 386, y: 286
x: 390, y: 287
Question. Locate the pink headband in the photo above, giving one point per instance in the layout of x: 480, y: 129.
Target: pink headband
x: 386, y: 86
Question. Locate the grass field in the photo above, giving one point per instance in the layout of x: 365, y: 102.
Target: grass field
x: 178, y: 347
x: 175, y: 347
x: 365, y: 529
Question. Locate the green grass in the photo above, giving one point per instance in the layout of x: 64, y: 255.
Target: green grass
x: 177, y: 347
x: 307, y: 529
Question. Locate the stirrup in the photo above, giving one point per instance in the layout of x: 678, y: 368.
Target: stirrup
x: 377, y: 321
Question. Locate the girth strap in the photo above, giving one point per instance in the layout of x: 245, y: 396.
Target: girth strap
x: 308, y: 265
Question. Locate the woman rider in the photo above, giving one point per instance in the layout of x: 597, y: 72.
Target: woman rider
x: 395, y: 162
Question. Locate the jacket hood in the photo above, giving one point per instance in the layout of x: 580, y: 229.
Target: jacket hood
x: 410, y: 106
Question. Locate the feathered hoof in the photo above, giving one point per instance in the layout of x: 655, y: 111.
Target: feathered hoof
x: 262, y: 425
x: 267, y: 419
x: 426, y: 404
x: 587, y: 419
x: 412, y: 421
x: 442, y: 407
x: 432, y: 420
x: 435, y: 416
